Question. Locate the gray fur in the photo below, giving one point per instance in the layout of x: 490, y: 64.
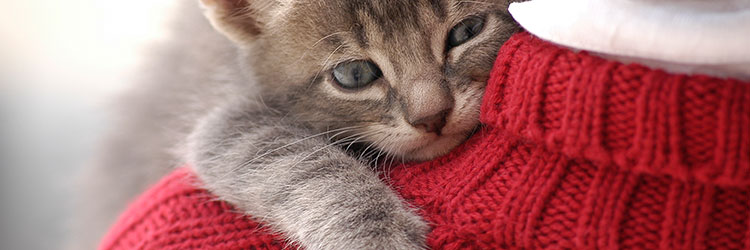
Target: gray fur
x: 270, y: 134
x: 300, y: 184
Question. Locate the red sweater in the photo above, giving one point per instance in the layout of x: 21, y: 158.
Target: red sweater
x: 578, y: 152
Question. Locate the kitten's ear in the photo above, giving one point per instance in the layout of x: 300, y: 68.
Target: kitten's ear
x: 239, y: 20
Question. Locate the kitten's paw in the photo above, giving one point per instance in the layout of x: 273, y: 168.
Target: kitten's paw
x: 397, y: 229
x: 406, y: 232
x: 402, y: 230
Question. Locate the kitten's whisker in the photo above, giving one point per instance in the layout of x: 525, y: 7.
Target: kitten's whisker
x: 318, y: 150
x: 330, y: 138
x: 360, y: 134
x: 372, y: 144
x: 375, y: 150
x: 316, y: 44
x: 375, y: 160
x: 248, y: 162
x: 326, y: 37
x: 368, y: 156
x: 352, y: 142
x: 311, y: 154
x: 352, y: 135
x: 393, y: 158
x: 325, y: 63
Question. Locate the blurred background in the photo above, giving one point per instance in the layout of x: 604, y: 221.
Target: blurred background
x: 61, y: 62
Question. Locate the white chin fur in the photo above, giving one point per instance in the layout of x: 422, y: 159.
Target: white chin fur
x: 438, y: 147
x: 423, y: 147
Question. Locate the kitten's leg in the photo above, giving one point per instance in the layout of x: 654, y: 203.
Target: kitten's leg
x: 314, y: 193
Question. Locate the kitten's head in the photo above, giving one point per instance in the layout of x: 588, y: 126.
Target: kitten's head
x: 406, y: 76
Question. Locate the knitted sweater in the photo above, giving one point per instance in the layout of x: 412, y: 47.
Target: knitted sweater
x: 577, y: 152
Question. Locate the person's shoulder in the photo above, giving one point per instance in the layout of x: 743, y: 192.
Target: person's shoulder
x: 176, y: 214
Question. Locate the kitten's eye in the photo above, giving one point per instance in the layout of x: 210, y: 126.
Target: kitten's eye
x: 465, y: 31
x: 356, y: 74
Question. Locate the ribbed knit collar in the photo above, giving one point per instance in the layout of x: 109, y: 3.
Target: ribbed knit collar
x: 694, y: 128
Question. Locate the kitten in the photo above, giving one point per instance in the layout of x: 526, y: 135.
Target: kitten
x: 273, y: 116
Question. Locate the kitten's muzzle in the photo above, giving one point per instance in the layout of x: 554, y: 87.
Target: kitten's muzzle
x: 433, y: 123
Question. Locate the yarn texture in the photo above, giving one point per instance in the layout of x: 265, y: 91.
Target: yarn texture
x: 576, y: 152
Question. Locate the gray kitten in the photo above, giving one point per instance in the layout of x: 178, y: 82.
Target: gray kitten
x: 285, y: 117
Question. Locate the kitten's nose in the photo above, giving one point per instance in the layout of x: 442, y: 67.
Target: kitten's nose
x: 427, y: 104
x: 433, y: 123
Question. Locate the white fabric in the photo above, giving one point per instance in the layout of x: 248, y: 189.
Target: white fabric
x: 693, y: 36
